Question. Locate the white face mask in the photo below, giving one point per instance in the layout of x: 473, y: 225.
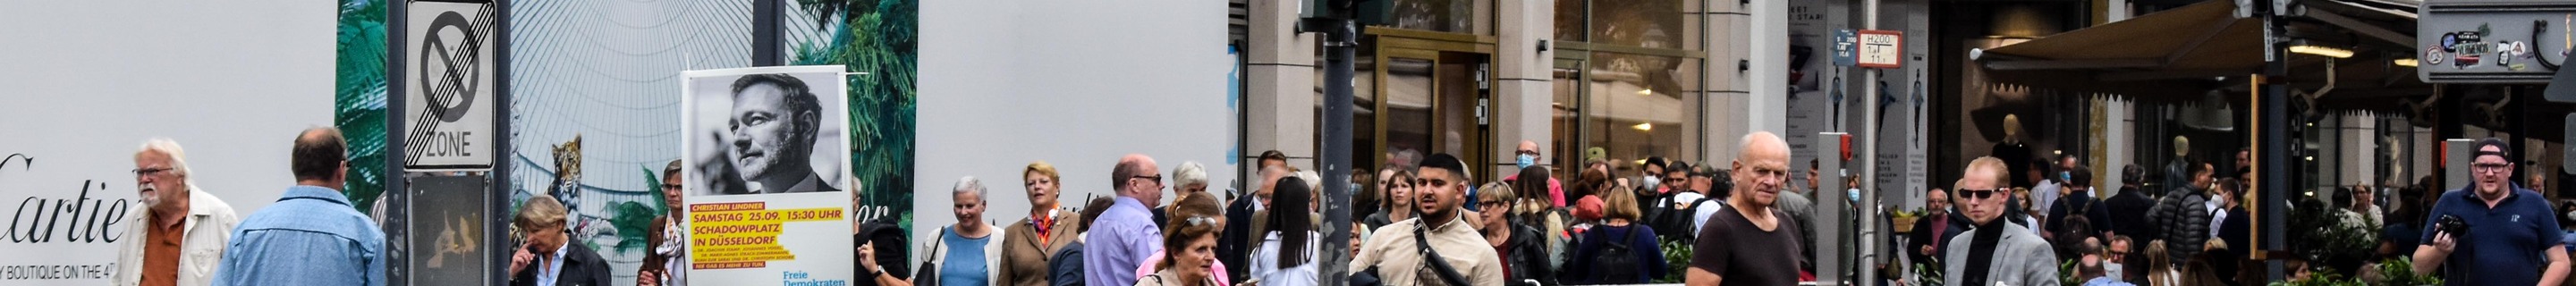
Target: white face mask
x: 2113, y: 269
x: 1650, y: 182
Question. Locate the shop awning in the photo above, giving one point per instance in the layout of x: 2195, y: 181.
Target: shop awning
x: 2181, y: 53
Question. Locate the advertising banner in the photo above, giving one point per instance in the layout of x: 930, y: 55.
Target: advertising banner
x: 237, y: 81
x: 768, y: 175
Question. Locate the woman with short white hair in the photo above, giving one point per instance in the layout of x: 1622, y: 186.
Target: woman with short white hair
x: 966, y: 251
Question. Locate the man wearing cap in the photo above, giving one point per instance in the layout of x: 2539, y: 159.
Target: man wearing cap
x: 2510, y: 238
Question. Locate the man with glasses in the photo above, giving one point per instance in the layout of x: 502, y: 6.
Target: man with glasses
x: 1992, y: 249
x: 182, y: 228
x: 1755, y: 244
x: 1124, y: 235
x: 2509, y: 233
x: 1397, y: 251
x: 1525, y: 157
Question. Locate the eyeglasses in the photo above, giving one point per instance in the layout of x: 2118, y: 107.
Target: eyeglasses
x: 146, y: 172
x: 1967, y: 194
x: 1157, y: 179
x: 1489, y: 203
x: 2491, y: 167
x: 670, y: 186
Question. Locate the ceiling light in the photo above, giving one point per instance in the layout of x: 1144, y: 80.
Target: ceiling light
x: 2306, y: 47
x: 2406, y: 62
x: 1645, y: 92
x: 1644, y: 127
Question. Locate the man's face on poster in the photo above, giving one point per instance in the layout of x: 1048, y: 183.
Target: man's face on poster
x: 767, y: 133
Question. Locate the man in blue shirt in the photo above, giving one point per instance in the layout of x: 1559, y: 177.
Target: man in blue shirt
x: 2510, y: 234
x: 311, y: 236
x: 1125, y: 234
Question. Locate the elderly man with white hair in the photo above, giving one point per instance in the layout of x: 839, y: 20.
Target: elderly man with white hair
x: 967, y: 251
x: 182, y: 230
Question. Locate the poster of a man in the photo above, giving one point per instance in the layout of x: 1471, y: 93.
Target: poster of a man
x: 767, y: 131
x: 766, y: 162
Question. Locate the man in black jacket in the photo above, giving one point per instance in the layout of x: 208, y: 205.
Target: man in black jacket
x: 1235, y: 244
x: 2128, y: 209
x: 2078, y: 201
x: 548, y: 258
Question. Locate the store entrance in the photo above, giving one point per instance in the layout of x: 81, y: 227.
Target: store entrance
x: 1433, y: 96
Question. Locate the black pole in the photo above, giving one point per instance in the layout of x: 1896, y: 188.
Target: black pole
x: 766, y: 23
x: 1340, y: 41
x: 2274, y: 130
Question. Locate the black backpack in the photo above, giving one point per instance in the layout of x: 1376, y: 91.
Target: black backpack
x: 1675, y: 223
x: 1617, y: 263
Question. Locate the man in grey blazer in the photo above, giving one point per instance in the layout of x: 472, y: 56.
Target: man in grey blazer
x: 1994, y: 252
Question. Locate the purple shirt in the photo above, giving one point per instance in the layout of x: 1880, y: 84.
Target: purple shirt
x: 1119, y: 241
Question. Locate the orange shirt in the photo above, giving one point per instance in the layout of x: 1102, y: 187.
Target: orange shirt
x: 161, y: 254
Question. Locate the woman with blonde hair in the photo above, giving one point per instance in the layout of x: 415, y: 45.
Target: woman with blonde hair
x: 1620, y: 228
x: 2160, y: 270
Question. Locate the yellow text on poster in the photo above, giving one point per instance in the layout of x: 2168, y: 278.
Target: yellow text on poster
x: 744, y: 235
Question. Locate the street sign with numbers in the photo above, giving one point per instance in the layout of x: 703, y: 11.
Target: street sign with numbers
x: 1882, y: 49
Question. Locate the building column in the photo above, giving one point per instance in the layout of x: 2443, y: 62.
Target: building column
x: 1523, y: 90
x: 1743, y: 94
x: 1279, y: 97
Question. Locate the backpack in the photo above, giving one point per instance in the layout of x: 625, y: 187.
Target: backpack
x: 1675, y: 223
x: 1617, y: 263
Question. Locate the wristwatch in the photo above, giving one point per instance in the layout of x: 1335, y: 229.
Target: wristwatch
x: 873, y: 273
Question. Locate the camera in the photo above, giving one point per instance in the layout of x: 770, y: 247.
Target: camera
x: 2451, y: 224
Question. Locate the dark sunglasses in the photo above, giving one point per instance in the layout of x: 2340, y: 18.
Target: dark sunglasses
x: 1981, y: 194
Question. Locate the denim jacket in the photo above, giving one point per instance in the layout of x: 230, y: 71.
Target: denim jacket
x: 311, y: 236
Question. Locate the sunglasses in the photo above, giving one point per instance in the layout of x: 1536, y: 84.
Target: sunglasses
x: 1982, y: 194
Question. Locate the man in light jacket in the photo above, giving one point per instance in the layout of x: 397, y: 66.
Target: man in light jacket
x: 1995, y: 250
x: 183, y: 231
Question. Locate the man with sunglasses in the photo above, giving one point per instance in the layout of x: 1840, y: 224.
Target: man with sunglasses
x: 1125, y: 235
x: 2510, y: 234
x: 1397, y: 251
x: 1754, y: 243
x: 1993, y: 249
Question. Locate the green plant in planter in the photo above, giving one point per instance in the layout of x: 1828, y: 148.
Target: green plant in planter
x: 2322, y: 278
x: 2401, y: 271
x: 1677, y: 255
x: 1930, y: 272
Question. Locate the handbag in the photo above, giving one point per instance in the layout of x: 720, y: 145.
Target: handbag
x: 928, y: 275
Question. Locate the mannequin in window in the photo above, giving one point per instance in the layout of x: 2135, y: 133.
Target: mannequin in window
x: 2014, y: 152
x: 2174, y: 167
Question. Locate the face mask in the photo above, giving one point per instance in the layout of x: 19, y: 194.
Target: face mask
x: 2114, y: 269
x: 1651, y: 182
x: 1855, y: 194
x: 1527, y: 160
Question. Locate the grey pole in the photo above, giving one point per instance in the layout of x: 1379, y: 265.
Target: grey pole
x: 1340, y: 41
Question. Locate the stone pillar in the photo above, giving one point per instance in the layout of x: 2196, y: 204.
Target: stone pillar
x: 1280, y: 97
x: 1744, y: 93
x: 1523, y: 90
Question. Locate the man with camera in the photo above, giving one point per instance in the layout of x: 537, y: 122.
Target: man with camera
x: 2491, y: 232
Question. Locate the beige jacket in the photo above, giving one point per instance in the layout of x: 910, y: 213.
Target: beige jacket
x: 209, y: 228
x: 1399, y: 259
